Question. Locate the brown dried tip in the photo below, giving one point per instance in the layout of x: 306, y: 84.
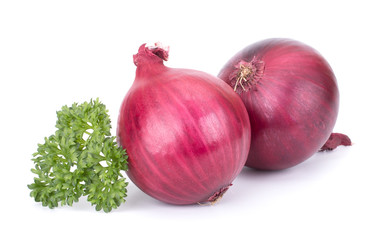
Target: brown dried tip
x: 335, y: 140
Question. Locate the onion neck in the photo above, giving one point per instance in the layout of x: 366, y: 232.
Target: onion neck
x: 143, y: 71
x: 246, y: 75
x: 150, y: 59
x: 151, y: 55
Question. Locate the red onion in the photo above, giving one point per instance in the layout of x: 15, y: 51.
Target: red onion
x: 186, y: 132
x: 292, y: 98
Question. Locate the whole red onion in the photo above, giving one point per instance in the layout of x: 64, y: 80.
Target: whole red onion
x: 292, y: 98
x: 186, y: 132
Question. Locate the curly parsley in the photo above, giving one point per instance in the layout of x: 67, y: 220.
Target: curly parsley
x: 80, y: 159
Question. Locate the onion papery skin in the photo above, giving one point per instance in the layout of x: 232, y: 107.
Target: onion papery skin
x: 292, y: 99
x: 186, y: 132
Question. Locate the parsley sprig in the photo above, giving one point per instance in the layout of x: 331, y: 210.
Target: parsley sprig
x: 80, y: 159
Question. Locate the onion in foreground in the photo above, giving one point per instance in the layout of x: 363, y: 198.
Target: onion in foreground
x: 187, y: 133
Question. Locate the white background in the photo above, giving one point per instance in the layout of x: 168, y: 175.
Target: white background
x: 54, y: 53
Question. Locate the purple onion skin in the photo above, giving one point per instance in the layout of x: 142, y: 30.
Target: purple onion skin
x: 186, y: 132
x: 292, y: 100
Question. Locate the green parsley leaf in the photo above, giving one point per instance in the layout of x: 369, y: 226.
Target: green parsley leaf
x: 80, y: 159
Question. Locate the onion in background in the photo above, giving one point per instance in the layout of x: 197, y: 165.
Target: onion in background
x: 292, y: 98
